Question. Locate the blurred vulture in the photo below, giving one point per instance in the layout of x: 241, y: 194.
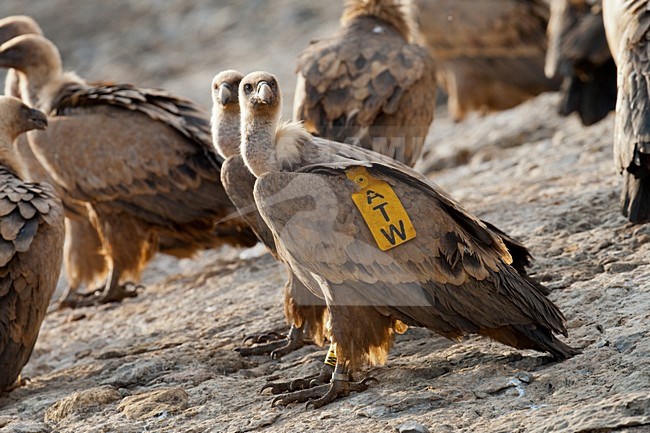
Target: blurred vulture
x: 368, y: 85
x: 489, y: 53
x: 31, y: 245
x: 383, y: 245
x: 83, y: 262
x: 303, y: 311
x: 578, y: 52
x: 628, y: 33
x: 140, y: 159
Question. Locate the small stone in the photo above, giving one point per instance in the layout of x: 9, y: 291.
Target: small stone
x: 160, y: 402
x: 372, y: 411
x: 412, y: 427
x: 524, y: 377
x: 602, y: 343
x: 81, y: 401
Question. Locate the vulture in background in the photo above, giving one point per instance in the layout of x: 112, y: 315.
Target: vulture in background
x: 489, y: 53
x: 83, y: 262
x: 578, y: 52
x: 303, y: 311
x: 369, y: 85
x: 384, y: 246
x: 627, y: 24
x: 140, y: 159
x: 31, y: 245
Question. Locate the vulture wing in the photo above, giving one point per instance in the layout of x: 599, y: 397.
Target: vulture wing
x: 632, y: 130
x: 366, y: 82
x: 452, y: 277
x: 31, y: 246
x: 143, y: 151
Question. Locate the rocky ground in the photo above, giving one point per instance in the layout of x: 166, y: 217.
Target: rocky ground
x: 164, y: 361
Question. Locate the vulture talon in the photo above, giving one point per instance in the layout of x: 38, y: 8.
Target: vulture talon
x: 276, y: 349
x: 308, y: 382
x: 263, y: 338
x: 300, y: 396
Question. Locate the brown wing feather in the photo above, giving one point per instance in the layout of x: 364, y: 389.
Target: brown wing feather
x: 447, y: 278
x: 490, y: 53
x: 362, y: 82
x: 632, y: 129
x: 179, y: 113
x: 30, y: 261
x: 137, y: 159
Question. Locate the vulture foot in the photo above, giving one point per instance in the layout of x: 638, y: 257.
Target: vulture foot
x: 307, y: 382
x: 278, y: 348
x: 19, y: 383
x: 322, y: 395
x: 116, y: 294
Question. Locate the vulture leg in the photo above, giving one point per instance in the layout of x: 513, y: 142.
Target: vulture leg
x: 319, y: 396
x: 286, y: 344
x: 311, y: 381
x: 19, y: 383
x: 114, y: 291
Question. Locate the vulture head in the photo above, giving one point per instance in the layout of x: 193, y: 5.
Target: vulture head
x: 16, y: 118
x: 259, y: 93
x: 17, y: 25
x: 225, y: 112
x: 34, y: 55
x: 225, y: 88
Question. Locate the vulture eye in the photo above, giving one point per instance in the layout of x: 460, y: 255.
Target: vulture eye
x: 248, y: 88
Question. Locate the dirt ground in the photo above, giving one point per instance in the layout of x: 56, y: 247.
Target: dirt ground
x: 164, y: 361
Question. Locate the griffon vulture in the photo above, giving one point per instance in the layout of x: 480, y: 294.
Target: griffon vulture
x: 369, y: 85
x: 31, y: 245
x: 384, y: 246
x: 627, y: 24
x: 489, y: 53
x: 578, y: 52
x: 140, y: 159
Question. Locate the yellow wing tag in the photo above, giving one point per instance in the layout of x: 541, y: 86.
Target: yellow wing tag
x: 380, y: 207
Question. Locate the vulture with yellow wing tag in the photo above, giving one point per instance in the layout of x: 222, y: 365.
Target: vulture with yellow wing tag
x: 140, y: 159
x: 627, y: 24
x: 436, y: 267
x: 489, y: 53
x: 31, y: 245
x: 369, y: 85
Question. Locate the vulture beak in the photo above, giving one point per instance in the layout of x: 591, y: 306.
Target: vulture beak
x: 225, y: 94
x: 264, y: 92
x: 37, y: 119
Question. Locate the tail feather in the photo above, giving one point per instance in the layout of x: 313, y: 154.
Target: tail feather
x: 635, y: 198
x: 533, y: 337
x: 592, y: 94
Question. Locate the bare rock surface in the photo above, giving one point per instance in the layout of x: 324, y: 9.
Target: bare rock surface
x: 164, y: 361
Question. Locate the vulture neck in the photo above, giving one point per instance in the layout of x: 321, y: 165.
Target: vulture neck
x: 226, y: 131
x: 389, y: 11
x: 39, y: 88
x: 9, y: 158
x: 258, y: 143
x: 12, y: 84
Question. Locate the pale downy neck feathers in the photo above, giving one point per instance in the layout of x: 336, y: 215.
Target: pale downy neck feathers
x: 8, y: 156
x: 40, y: 93
x: 394, y: 12
x: 268, y: 145
x: 12, y: 84
x: 226, y: 130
